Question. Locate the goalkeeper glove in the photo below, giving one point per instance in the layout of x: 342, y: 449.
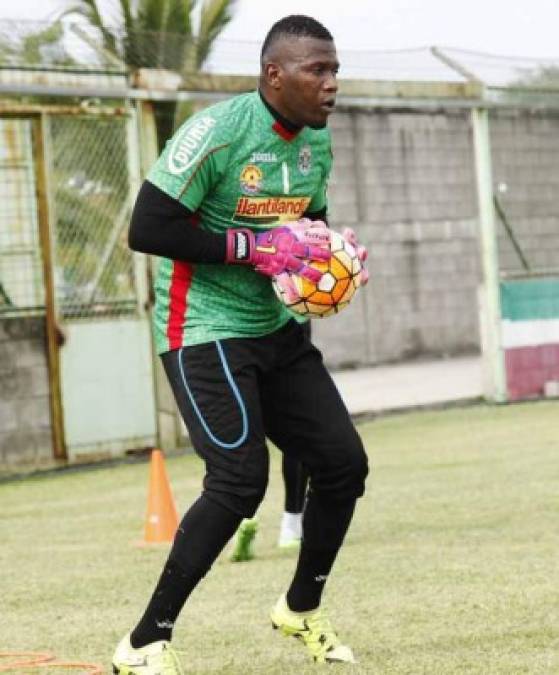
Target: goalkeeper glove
x: 289, y: 289
x: 349, y: 235
x: 285, y: 248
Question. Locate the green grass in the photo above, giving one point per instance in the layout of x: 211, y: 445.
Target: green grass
x: 451, y: 564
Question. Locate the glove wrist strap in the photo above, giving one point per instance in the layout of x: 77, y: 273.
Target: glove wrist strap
x: 240, y: 246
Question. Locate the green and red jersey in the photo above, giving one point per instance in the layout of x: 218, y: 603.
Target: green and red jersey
x: 233, y: 165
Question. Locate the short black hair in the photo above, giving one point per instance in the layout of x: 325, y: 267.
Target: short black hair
x: 294, y: 25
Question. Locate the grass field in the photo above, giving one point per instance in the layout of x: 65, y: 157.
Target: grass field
x: 451, y: 565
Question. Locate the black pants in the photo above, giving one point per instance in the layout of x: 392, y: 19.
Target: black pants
x: 234, y: 393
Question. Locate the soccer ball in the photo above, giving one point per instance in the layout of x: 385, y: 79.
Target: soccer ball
x: 341, y: 278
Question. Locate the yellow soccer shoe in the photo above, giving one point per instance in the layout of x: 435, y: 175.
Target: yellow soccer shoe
x: 157, y: 658
x: 314, y: 630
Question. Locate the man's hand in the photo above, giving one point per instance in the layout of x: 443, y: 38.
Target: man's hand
x: 290, y: 292
x: 349, y: 235
x: 282, y: 249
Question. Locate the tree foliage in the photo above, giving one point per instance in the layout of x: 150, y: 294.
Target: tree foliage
x: 43, y: 47
x: 541, y: 78
x: 158, y: 34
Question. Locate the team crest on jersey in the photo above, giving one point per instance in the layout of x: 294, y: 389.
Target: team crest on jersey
x: 251, y: 179
x: 304, y: 161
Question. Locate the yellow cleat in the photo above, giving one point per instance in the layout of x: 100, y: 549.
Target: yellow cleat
x: 314, y: 630
x: 157, y: 658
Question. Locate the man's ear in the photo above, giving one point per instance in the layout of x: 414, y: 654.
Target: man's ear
x: 272, y: 74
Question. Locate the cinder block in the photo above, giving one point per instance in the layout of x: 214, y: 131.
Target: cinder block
x: 43, y: 445
x: 40, y: 380
x: 27, y: 328
x: 8, y: 415
x: 16, y: 384
x: 8, y: 354
x: 33, y: 413
x: 18, y: 448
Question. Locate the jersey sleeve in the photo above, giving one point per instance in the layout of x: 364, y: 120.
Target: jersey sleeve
x: 189, y: 166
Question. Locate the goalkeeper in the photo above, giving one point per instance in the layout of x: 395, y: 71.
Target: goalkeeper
x: 223, y: 207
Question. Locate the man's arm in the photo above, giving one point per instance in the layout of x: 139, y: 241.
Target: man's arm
x: 162, y: 226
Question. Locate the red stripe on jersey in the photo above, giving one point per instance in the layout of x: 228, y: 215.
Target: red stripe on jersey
x: 181, y: 280
x: 283, y: 132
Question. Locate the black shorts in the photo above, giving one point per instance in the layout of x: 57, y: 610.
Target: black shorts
x: 234, y: 393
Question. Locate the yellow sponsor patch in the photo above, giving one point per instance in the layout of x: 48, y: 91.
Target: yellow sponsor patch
x: 271, y: 208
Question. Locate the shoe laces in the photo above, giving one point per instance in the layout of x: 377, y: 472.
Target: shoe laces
x: 321, y: 632
x: 170, y: 662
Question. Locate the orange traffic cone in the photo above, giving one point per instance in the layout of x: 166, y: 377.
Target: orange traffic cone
x: 161, y: 517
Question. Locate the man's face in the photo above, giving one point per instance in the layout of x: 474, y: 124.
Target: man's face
x: 302, y: 72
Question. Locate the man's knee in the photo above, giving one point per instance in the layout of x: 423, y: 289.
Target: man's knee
x: 242, y: 498
x: 360, y: 472
x: 345, y: 478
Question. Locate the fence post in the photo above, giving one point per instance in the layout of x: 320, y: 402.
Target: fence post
x: 139, y: 261
x: 42, y: 165
x: 490, y: 306
x: 169, y: 423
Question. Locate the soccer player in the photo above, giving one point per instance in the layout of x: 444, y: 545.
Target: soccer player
x: 223, y: 207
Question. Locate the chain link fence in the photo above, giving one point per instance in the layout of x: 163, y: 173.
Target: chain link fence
x: 21, y: 274
x: 90, y: 186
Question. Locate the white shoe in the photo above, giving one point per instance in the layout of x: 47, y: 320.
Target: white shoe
x: 157, y: 658
x: 291, y: 530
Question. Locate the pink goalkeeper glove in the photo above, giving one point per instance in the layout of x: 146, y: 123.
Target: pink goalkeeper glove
x: 289, y: 289
x: 349, y: 235
x: 281, y: 249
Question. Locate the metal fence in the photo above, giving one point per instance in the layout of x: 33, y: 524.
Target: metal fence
x: 409, y: 169
x: 91, y: 193
x: 21, y: 276
x: 90, y: 202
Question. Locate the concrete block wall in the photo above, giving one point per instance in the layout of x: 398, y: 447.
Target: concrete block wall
x: 25, y: 426
x: 405, y: 182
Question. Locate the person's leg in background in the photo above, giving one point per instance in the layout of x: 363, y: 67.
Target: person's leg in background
x: 295, y: 479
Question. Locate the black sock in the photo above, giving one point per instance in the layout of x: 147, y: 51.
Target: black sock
x: 312, y: 571
x: 202, y: 534
x: 171, y: 592
x: 324, y: 527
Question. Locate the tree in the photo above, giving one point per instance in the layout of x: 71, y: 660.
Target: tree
x: 22, y: 45
x: 545, y: 78
x: 158, y: 34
